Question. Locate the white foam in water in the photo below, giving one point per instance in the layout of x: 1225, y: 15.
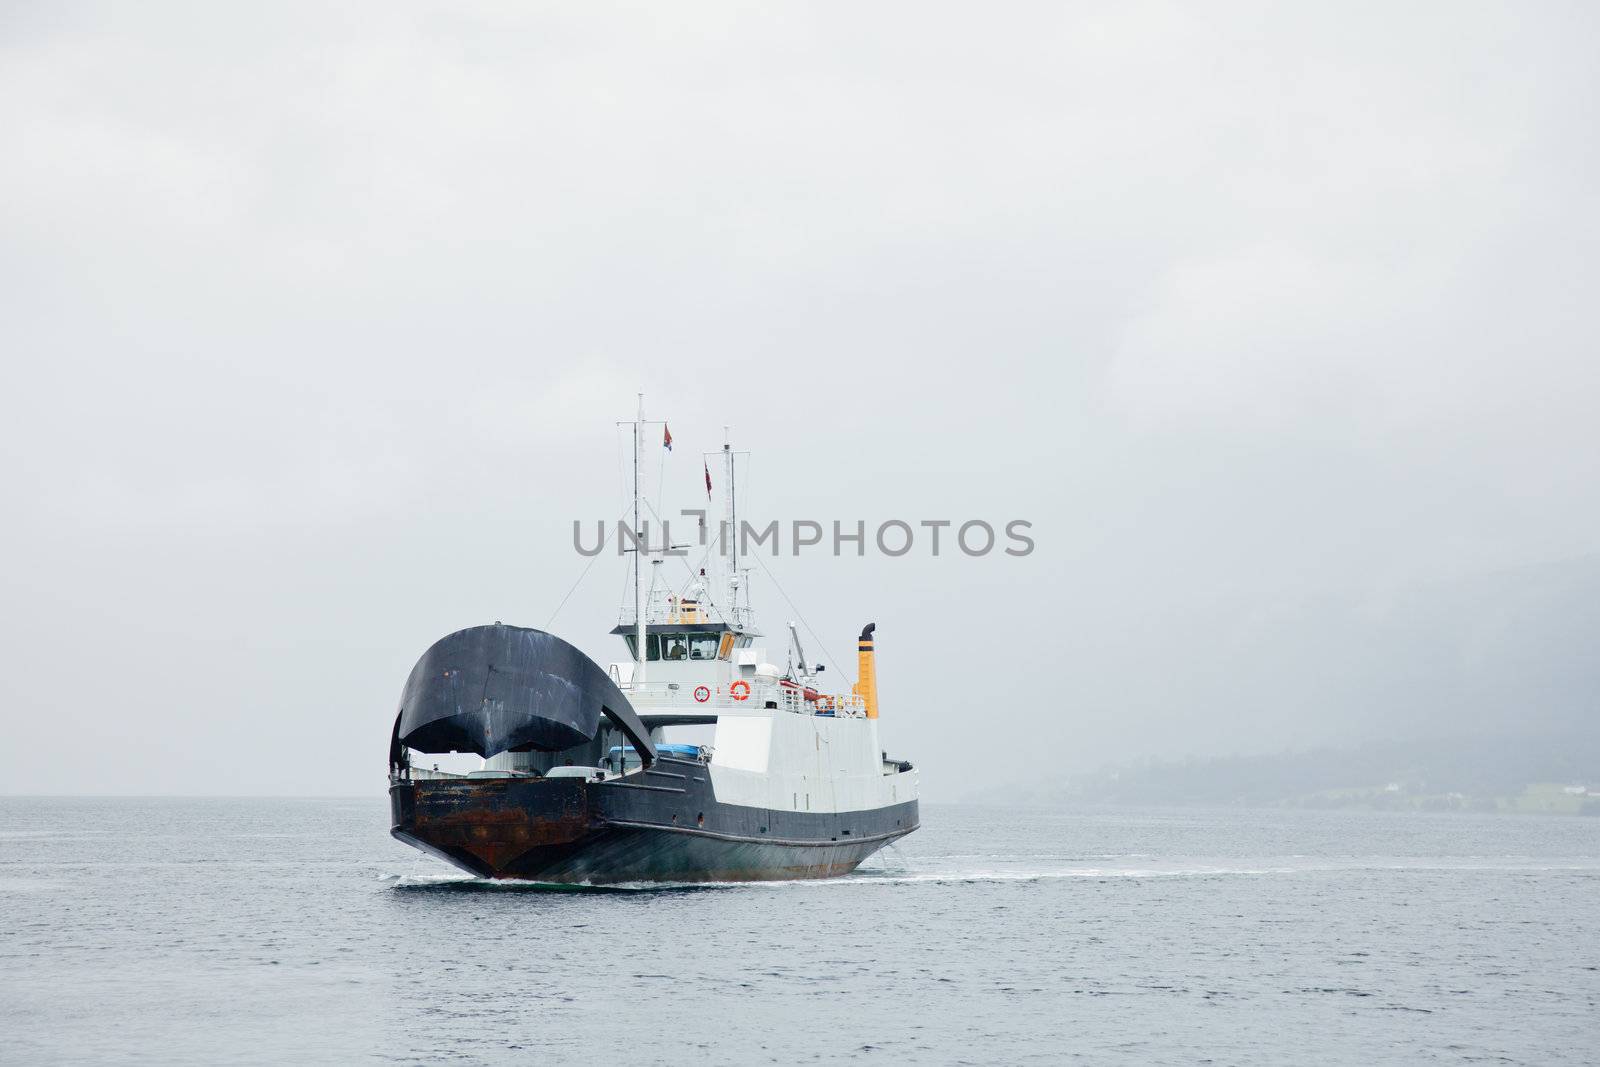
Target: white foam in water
x: 982, y: 874
x: 22, y: 885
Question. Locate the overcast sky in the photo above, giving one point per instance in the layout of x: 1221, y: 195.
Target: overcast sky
x: 318, y: 318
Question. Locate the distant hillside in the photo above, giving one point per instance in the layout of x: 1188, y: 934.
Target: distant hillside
x: 1508, y: 653
x: 1505, y: 653
x: 1483, y: 773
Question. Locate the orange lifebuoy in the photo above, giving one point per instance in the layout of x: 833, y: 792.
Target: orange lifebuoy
x: 739, y: 690
x: 702, y: 694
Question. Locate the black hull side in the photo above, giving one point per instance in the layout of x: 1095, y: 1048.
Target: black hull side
x: 662, y: 825
x: 637, y: 854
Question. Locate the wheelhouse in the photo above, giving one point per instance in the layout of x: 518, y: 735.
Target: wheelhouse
x: 683, y: 642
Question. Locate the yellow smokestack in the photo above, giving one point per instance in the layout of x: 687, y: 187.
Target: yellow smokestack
x: 867, y: 687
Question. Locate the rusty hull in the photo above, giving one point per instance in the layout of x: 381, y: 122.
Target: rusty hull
x: 486, y: 825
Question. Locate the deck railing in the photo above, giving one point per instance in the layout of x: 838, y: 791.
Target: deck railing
x: 658, y: 613
x: 685, y: 696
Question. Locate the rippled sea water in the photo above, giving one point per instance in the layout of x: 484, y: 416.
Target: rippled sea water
x: 204, y: 931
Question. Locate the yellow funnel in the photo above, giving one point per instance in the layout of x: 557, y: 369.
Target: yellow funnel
x: 867, y: 687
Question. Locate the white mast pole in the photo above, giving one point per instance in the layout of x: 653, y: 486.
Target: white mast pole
x: 733, y: 523
x: 638, y: 551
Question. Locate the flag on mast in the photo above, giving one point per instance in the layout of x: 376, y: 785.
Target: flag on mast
x: 708, y: 478
x: 666, y: 437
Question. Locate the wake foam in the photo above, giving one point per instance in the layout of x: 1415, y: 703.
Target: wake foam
x: 448, y: 881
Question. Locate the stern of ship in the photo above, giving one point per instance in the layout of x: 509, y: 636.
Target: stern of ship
x: 492, y: 827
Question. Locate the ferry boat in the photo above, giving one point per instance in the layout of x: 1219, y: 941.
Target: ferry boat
x: 695, y: 758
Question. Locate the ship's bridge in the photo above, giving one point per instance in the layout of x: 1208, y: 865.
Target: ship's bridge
x: 684, y: 633
x: 683, y: 642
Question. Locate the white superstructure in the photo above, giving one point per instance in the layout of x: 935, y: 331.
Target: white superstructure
x: 775, y: 737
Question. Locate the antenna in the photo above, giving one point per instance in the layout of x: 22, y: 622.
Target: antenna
x: 638, y: 554
x: 733, y: 522
x: 794, y: 633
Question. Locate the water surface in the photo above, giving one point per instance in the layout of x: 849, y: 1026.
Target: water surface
x: 194, y: 931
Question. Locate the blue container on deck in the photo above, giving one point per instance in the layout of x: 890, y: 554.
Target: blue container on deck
x: 682, y: 751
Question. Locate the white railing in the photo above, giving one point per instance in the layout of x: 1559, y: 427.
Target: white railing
x: 425, y: 774
x: 685, y: 696
x: 658, y: 613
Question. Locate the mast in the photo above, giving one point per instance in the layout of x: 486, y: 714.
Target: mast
x: 733, y: 521
x: 638, y: 553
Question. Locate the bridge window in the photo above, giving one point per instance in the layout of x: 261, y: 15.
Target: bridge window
x: 652, y: 647
x: 676, y: 646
